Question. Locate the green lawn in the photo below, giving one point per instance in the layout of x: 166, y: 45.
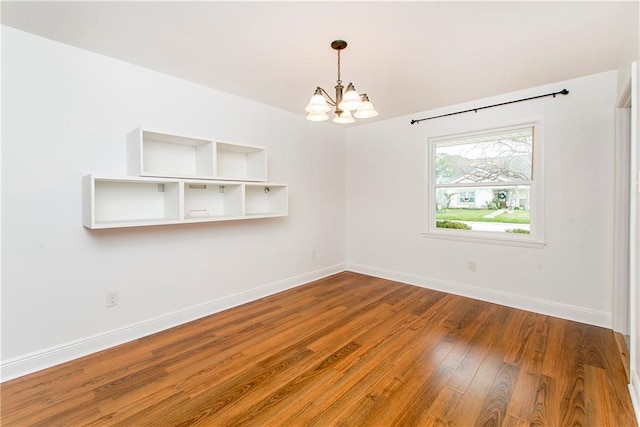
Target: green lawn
x: 515, y: 217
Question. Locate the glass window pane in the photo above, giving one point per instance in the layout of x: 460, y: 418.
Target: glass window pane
x: 500, y: 157
x: 503, y: 209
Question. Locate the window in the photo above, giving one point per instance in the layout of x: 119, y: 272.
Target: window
x: 486, y: 185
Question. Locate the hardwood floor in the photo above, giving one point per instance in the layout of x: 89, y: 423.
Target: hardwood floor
x: 348, y: 350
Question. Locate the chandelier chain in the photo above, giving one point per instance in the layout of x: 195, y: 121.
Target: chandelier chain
x: 339, y: 81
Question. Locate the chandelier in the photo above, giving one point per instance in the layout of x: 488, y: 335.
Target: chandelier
x: 321, y: 102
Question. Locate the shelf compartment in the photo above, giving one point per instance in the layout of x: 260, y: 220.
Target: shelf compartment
x: 129, y: 202
x: 266, y: 200
x: 164, y: 155
x: 207, y: 200
x: 241, y: 162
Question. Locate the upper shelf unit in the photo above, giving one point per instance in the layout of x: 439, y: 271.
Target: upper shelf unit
x: 157, y: 154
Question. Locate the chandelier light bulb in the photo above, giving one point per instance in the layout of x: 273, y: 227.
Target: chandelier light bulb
x: 366, y: 111
x: 317, y: 116
x: 317, y: 103
x: 351, y: 99
x: 343, y: 117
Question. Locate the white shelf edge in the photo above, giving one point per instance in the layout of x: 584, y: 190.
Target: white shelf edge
x: 240, y: 144
x: 203, y: 178
x: 129, y: 224
x: 265, y: 215
x: 175, y: 135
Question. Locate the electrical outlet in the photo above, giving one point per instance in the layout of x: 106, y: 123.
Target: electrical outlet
x: 112, y: 298
x: 471, y: 266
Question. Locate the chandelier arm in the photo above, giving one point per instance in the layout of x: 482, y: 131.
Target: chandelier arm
x: 329, y: 98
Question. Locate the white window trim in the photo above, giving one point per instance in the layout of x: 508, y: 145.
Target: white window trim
x: 536, y: 237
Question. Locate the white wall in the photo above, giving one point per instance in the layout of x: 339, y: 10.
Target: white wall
x: 634, y: 286
x: 628, y: 54
x: 570, y: 277
x: 66, y: 113
x: 630, y: 50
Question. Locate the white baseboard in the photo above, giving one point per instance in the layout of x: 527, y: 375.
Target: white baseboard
x: 32, y: 362
x: 634, y: 391
x: 564, y: 311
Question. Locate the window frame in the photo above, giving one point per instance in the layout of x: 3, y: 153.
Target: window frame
x: 536, y: 237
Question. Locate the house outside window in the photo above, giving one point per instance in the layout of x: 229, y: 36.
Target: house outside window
x: 467, y: 198
x: 487, y: 185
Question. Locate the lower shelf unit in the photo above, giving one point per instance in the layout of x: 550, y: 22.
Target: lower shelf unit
x: 112, y: 202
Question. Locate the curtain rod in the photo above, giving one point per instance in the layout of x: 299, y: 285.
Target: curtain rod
x: 562, y: 92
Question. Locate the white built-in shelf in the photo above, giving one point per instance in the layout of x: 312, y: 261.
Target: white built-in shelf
x: 241, y: 162
x: 141, y: 201
x: 206, y: 199
x: 182, y: 179
x: 266, y: 200
x: 158, y: 154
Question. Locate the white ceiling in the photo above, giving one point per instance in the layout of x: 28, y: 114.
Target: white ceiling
x: 408, y: 56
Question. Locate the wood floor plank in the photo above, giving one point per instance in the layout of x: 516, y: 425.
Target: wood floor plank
x: 546, y: 409
x: 443, y: 405
x: 494, y: 407
x: 479, y: 346
x: 40, y: 411
x: 255, y: 349
x: 469, y: 336
x: 294, y: 386
x: 529, y: 357
x: 347, y: 350
x: 553, y: 362
x: 521, y: 338
x: 420, y: 408
x: 361, y: 379
x: 526, y: 388
x: 118, y: 411
x: 573, y: 398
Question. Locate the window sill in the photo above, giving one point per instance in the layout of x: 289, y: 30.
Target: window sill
x: 479, y: 237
